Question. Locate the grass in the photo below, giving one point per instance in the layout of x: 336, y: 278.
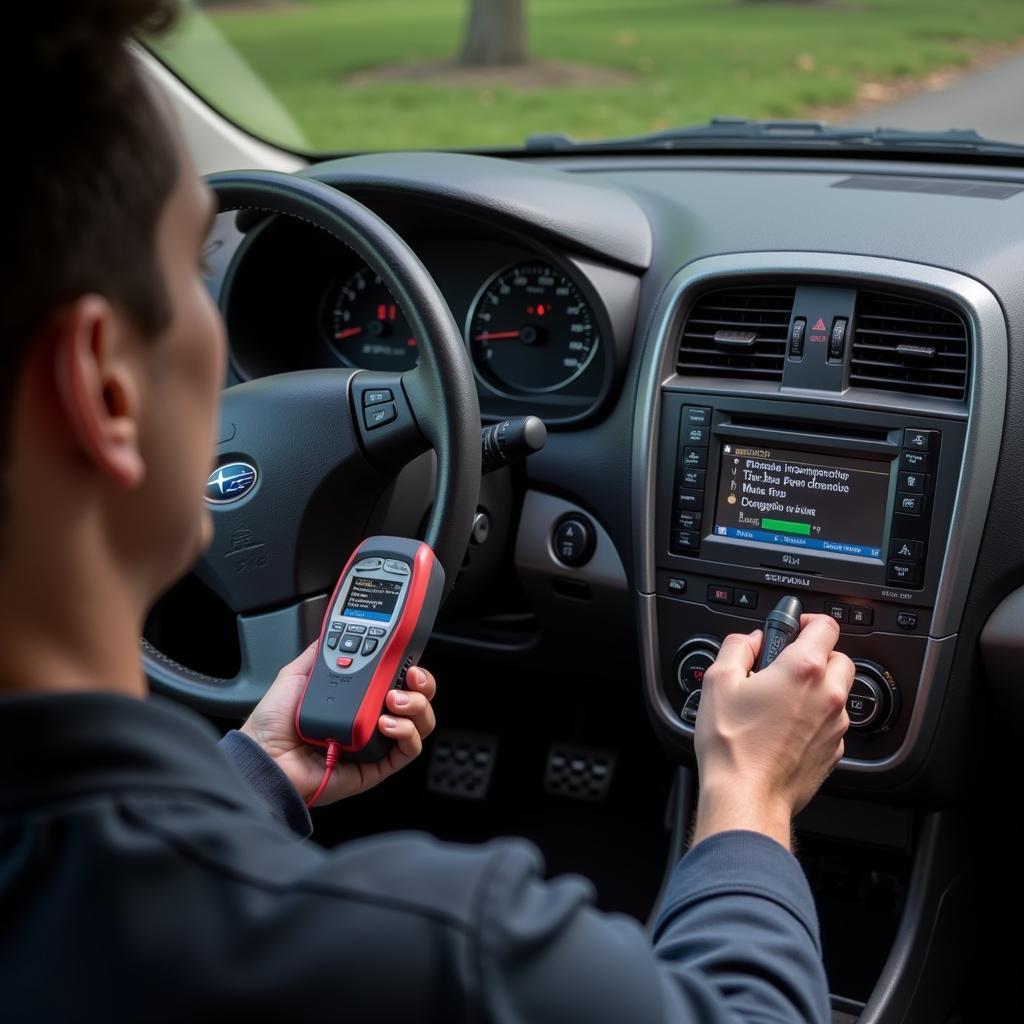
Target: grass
x: 684, y: 60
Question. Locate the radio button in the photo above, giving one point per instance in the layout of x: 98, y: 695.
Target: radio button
x: 685, y: 542
x: 719, y: 595
x: 912, y: 549
x: 916, y: 482
x: 909, y: 504
x: 836, y: 610
x: 917, y: 440
x: 695, y: 435
x: 907, y: 573
x: 861, y: 616
x: 696, y: 416
x: 690, y: 499
x: 688, y: 520
x: 746, y: 599
x: 694, y: 458
x: 692, y: 478
x: 913, y: 462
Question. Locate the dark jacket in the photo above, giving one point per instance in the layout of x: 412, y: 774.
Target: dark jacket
x: 143, y: 879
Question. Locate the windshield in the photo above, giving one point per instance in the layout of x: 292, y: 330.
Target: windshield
x: 343, y: 76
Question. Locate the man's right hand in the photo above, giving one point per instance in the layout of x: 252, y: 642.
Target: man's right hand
x: 765, y: 742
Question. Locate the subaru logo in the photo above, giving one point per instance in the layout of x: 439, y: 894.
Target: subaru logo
x: 230, y: 482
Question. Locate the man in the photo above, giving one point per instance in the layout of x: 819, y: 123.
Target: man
x: 148, y: 874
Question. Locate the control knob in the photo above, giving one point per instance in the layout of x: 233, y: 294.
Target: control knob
x: 692, y: 660
x: 873, y: 702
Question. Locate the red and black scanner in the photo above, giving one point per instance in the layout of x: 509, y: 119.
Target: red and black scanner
x: 377, y: 624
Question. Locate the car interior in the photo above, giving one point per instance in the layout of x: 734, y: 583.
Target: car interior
x: 767, y: 366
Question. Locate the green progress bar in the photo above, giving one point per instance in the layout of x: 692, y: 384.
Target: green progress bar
x: 781, y: 526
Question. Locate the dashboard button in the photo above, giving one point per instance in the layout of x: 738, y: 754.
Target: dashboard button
x: 862, y: 704
x: 692, y: 478
x: 690, y: 673
x: 688, y: 520
x: 377, y: 397
x: 746, y: 599
x: 695, y: 458
x: 913, y: 462
x: 912, y: 549
x: 377, y: 415
x: 573, y: 541
x: 696, y: 416
x: 796, y: 337
x: 916, y: 482
x: 838, y: 611
x: 677, y: 585
x: 861, y: 616
x: 917, y: 440
x: 907, y: 573
x: 685, y: 542
x: 906, y: 620
x: 909, y: 504
x: 690, y: 499
x: 837, y: 342
x: 719, y: 595
x: 695, y: 435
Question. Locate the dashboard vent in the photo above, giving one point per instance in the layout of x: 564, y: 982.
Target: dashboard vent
x: 902, y: 343
x: 737, y: 332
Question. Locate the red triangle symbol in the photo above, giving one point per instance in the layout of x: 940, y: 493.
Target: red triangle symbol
x: 819, y: 326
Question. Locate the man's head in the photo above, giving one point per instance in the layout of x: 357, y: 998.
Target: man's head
x: 111, y: 352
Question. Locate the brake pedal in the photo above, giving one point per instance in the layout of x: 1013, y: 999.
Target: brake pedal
x: 579, y: 772
x: 461, y: 764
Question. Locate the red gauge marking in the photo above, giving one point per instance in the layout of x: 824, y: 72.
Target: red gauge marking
x: 411, y: 343
x: 349, y: 332
x: 496, y: 335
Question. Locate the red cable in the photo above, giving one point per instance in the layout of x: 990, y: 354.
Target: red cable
x: 329, y: 762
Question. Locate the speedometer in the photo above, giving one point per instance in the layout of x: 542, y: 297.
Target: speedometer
x: 530, y: 330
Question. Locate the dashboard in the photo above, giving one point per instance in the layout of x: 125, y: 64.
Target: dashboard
x: 763, y: 376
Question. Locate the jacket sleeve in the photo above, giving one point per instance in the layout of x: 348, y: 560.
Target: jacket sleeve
x: 736, y: 942
x: 270, y: 784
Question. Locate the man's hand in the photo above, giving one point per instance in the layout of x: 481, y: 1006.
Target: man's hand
x: 272, y: 725
x: 766, y: 742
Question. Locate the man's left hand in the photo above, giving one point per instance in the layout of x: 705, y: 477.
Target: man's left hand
x: 408, y: 720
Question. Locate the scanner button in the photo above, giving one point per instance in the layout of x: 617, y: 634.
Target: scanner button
x: 353, y: 628
x: 377, y: 631
x: 332, y: 640
x: 369, y: 563
x: 344, y: 662
x: 370, y: 645
x: 350, y: 644
x: 397, y: 567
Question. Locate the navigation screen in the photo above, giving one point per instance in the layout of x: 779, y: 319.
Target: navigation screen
x: 802, y: 500
x: 372, y: 599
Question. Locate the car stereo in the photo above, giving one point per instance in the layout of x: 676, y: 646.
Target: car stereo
x: 853, y: 499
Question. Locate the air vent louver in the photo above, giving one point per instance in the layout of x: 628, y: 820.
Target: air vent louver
x: 737, y: 332
x: 901, y: 343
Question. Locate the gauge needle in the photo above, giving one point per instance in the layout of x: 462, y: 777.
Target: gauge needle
x: 496, y: 335
x: 348, y: 333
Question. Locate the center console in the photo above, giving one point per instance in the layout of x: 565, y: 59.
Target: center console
x: 865, y: 503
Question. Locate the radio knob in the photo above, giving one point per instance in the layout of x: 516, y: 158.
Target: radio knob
x: 873, y: 700
x: 691, y: 668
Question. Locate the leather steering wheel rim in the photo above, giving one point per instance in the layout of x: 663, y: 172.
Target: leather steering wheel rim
x: 440, y: 393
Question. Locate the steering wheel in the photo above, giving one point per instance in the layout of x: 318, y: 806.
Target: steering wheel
x: 304, y: 458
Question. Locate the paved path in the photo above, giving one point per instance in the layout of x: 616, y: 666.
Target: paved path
x: 991, y: 102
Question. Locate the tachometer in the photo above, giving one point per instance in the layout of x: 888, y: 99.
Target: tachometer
x: 530, y: 330
x: 367, y: 328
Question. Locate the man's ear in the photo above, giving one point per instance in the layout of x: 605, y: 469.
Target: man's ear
x: 98, y: 389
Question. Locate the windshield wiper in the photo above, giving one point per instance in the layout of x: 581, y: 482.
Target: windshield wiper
x: 739, y: 130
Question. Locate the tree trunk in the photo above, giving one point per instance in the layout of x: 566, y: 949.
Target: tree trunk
x: 495, y: 34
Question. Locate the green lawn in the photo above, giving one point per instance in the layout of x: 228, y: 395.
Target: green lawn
x: 684, y: 61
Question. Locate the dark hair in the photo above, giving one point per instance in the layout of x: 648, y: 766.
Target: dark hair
x: 88, y: 170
